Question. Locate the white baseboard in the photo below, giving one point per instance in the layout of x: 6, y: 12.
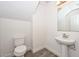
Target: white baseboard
x: 8, y: 55
x: 53, y: 51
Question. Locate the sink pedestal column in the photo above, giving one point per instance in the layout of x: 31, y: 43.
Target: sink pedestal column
x: 64, y: 52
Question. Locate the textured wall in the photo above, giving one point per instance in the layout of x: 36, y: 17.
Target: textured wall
x: 8, y: 29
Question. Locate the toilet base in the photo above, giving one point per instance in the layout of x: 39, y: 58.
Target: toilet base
x: 20, y: 56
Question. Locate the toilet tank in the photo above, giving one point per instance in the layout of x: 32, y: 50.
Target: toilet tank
x: 18, y: 40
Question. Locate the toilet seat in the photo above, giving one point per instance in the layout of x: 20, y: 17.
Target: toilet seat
x: 20, y: 50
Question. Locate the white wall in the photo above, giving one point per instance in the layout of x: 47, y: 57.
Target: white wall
x: 0, y: 42
x: 39, y: 28
x: 45, y: 28
x: 51, y: 17
x: 8, y: 29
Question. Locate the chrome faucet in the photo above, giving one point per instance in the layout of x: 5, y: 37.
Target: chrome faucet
x: 65, y: 35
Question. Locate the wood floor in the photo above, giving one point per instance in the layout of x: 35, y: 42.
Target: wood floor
x: 42, y: 53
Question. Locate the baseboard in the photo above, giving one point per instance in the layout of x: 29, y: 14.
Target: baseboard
x: 53, y: 51
x: 8, y: 55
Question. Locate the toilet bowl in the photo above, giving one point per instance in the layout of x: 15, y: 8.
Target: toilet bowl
x: 20, y: 48
x: 20, y: 51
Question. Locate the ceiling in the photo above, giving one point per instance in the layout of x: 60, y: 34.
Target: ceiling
x: 60, y: 2
x: 17, y: 9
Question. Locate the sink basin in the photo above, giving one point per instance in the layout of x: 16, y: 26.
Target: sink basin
x: 65, y: 41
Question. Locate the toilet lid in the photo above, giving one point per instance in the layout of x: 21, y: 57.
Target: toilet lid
x: 21, y: 48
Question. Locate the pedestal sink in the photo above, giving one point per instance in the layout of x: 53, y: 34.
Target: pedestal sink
x: 65, y: 42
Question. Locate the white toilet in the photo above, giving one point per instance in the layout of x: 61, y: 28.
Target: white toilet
x: 20, y: 48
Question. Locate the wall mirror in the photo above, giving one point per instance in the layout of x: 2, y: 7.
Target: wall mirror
x: 68, y: 20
